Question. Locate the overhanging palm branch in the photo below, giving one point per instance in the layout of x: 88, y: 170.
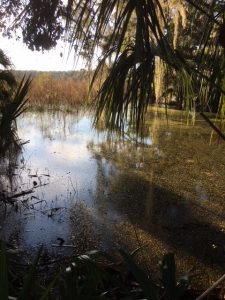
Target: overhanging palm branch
x: 128, y: 84
x: 4, y: 60
x: 16, y: 105
x: 134, y: 34
x: 7, y: 77
x: 10, y: 143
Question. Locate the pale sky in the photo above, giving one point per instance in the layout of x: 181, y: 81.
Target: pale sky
x: 25, y: 59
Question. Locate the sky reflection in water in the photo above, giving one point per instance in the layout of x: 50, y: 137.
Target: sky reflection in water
x: 57, y: 159
x: 79, y: 177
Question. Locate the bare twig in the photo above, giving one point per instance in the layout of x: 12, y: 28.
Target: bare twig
x: 23, y: 193
x: 66, y: 246
x: 209, y: 290
x: 138, y: 248
x: 219, y: 132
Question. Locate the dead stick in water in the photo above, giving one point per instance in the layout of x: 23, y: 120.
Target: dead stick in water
x: 22, y: 193
x: 219, y: 132
x: 209, y: 290
x: 138, y: 248
x: 66, y: 246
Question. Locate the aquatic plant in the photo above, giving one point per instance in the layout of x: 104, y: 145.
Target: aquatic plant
x: 94, y: 275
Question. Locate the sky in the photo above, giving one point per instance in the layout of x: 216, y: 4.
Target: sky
x: 25, y: 59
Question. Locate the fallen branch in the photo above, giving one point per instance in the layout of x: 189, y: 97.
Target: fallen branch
x: 209, y: 290
x: 138, y: 248
x: 23, y: 193
x: 219, y: 132
x: 66, y: 246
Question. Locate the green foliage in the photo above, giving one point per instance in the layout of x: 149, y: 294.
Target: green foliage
x: 88, y: 278
x: 7, y: 80
x: 168, y: 289
x: 12, y: 97
x: 14, y: 105
x: 28, y: 284
x: 131, y: 35
x: 150, y: 289
x: 82, y: 279
x: 4, y: 60
x: 3, y: 272
x: 173, y: 289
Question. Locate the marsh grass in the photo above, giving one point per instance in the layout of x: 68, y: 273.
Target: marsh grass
x: 57, y: 89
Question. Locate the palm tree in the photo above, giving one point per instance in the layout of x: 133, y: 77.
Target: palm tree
x: 130, y: 84
x: 7, y: 80
x: 12, y: 96
x: 186, y: 37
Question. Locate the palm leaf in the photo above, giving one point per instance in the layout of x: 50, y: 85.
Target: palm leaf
x: 150, y: 290
x: 3, y: 272
x: 4, y: 60
x: 29, y: 278
x: 8, y: 77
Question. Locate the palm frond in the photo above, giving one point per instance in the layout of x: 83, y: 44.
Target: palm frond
x: 7, y: 77
x: 133, y: 35
x: 16, y: 106
x: 4, y: 60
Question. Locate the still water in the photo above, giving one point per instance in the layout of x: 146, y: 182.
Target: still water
x: 74, y: 184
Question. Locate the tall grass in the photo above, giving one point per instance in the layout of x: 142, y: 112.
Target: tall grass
x: 57, y: 91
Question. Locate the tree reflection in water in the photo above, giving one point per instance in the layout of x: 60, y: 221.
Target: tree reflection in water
x: 10, y: 158
x: 10, y: 154
x: 158, y: 191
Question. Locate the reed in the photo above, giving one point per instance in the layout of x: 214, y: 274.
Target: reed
x: 56, y: 91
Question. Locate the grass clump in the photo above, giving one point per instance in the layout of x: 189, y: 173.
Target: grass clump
x: 95, y: 275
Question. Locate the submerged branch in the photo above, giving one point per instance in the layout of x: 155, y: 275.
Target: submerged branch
x: 209, y: 290
x: 219, y: 132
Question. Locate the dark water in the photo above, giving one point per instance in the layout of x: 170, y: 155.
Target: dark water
x: 93, y: 190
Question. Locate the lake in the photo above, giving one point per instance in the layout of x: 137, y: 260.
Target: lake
x: 88, y: 189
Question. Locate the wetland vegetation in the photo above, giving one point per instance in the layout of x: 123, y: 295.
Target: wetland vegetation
x: 95, y: 190
x: 115, y: 174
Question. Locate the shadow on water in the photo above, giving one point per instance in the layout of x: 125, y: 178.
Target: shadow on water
x: 94, y: 192
x: 181, y: 226
x: 177, y: 206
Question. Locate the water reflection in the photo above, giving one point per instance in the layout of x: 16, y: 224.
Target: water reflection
x: 95, y: 190
x: 170, y: 192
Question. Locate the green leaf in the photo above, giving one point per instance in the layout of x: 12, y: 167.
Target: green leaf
x: 28, y: 281
x: 48, y: 289
x: 168, y: 271
x: 149, y: 288
x: 3, y: 272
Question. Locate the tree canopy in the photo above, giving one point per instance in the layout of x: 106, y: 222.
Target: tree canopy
x: 150, y: 49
